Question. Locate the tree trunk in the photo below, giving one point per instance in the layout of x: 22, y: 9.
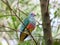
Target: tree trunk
x: 46, y: 22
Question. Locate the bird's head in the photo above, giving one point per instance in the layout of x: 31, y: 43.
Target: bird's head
x: 32, y: 14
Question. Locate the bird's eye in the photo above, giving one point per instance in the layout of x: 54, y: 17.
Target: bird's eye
x: 32, y: 14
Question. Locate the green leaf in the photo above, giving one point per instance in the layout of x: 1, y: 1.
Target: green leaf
x: 13, y: 18
x: 10, y: 24
x: 38, y: 28
x: 56, y: 42
x: 0, y: 43
x: 55, y: 14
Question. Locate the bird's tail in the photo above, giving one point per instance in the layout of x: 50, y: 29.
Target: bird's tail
x: 23, y: 36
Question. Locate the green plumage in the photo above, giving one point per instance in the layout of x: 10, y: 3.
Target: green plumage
x: 26, y: 22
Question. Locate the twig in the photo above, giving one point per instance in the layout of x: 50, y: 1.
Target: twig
x: 5, y: 15
x: 56, y: 35
x: 33, y: 8
x: 22, y: 12
x: 8, y: 28
x: 38, y: 23
x: 18, y: 18
x: 6, y: 40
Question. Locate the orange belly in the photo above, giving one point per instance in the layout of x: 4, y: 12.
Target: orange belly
x: 30, y: 27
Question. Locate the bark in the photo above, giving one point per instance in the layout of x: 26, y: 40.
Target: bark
x: 46, y: 23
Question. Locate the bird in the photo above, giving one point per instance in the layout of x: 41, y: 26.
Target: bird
x: 29, y: 24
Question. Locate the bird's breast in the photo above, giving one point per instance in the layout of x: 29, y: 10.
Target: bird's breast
x: 30, y: 27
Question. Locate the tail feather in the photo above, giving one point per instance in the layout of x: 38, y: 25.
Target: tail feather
x: 23, y: 36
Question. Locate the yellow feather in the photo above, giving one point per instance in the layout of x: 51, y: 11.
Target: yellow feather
x: 22, y: 36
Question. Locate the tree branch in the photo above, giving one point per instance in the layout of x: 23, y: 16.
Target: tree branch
x: 8, y: 28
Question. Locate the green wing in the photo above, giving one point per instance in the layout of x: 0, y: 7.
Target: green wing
x: 23, y: 26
